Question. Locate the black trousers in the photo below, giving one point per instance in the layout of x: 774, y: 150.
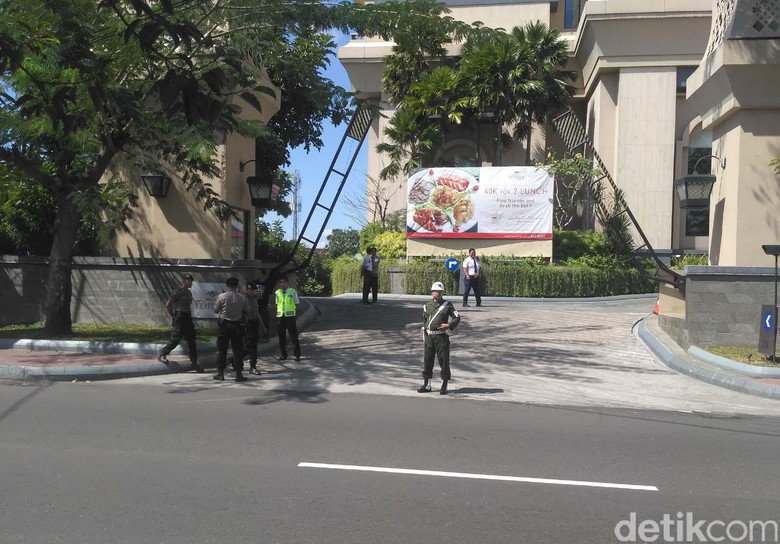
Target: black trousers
x: 230, y: 333
x: 438, y: 346
x: 251, y: 336
x: 468, y: 285
x: 183, y: 327
x: 285, y: 325
x: 370, y: 283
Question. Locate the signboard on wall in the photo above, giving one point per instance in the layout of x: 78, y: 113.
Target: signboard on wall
x: 203, y: 297
x: 511, y: 203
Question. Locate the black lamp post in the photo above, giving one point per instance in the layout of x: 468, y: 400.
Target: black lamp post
x: 156, y: 184
x: 773, y: 250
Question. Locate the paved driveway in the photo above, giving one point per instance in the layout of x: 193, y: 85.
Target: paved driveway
x: 552, y: 352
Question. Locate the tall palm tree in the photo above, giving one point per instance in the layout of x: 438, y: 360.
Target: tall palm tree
x: 549, y: 81
x: 410, y: 139
x: 492, y: 69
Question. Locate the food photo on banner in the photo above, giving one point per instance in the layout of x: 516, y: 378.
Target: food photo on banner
x: 513, y: 203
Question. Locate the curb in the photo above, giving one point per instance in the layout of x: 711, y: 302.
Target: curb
x: 115, y: 372
x: 678, y: 362
x: 734, y: 366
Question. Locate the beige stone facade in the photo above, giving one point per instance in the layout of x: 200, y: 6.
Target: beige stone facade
x: 177, y: 227
x: 648, y: 121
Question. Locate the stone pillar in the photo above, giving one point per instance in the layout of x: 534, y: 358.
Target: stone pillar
x: 734, y: 91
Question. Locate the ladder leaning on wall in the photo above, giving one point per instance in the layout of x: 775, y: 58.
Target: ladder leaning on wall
x: 571, y: 131
x: 361, y: 121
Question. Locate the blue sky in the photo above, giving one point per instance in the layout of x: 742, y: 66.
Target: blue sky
x: 313, y: 167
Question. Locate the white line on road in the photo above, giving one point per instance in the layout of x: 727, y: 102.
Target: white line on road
x: 478, y: 476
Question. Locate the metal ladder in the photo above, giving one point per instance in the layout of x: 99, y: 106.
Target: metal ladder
x: 571, y: 131
x: 361, y: 121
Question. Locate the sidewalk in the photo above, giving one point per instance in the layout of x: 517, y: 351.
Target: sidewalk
x: 584, y: 364
x: 90, y: 361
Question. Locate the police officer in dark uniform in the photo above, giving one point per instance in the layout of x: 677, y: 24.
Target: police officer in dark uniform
x: 439, y: 318
x: 179, y: 307
x: 229, y: 307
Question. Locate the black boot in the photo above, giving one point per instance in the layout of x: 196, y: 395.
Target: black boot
x: 443, y: 390
x: 426, y: 387
x: 196, y: 368
x: 219, y: 376
x: 240, y: 376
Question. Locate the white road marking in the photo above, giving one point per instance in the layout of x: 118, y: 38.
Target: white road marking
x: 479, y: 476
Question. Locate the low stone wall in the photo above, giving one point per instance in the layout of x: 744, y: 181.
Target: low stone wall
x: 111, y: 290
x: 722, y: 306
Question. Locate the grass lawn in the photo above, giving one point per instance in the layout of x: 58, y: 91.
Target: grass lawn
x: 142, y: 334
x: 750, y: 356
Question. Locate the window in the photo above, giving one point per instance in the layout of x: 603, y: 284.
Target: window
x: 683, y: 73
x: 239, y: 241
x: 572, y: 10
x: 697, y: 220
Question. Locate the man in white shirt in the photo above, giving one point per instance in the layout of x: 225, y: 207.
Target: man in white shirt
x: 471, y: 273
x: 370, y: 274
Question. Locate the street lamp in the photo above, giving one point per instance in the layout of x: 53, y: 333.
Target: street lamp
x: 156, y: 184
x: 773, y: 250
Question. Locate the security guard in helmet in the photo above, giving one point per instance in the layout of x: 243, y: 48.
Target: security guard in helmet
x: 439, y: 318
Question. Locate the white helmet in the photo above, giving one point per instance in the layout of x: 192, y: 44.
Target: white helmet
x: 437, y: 286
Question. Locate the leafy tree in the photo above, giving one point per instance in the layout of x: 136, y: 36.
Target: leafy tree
x: 412, y: 139
x: 343, y: 242
x: 85, y: 84
x: 390, y: 244
x: 368, y: 234
x: 573, y: 176
x: 517, y: 78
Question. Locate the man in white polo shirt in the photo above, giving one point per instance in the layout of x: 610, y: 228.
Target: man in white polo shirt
x: 471, y: 272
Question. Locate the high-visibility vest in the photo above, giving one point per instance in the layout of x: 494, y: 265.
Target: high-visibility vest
x: 285, y: 303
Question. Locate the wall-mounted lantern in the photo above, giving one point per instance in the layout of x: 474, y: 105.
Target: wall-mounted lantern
x: 156, y: 184
x: 264, y: 191
x: 694, y: 190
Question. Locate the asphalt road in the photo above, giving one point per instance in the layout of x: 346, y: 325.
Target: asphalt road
x: 121, y: 463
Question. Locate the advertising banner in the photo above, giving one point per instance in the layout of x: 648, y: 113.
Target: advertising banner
x: 510, y: 202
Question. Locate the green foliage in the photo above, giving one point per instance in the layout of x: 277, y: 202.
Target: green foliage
x: 103, y: 332
x: 601, y: 262
x: 158, y: 83
x: 692, y: 259
x: 390, y: 245
x: 368, y: 234
x: 343, y: 242
x: 573, y: 244
x: 346, y: 277
x: 504, y: 279
x: 573, y: 175
x: 314, y: 280
x: 519, y: 77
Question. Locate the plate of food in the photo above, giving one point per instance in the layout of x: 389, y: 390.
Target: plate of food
x: 441, y: 201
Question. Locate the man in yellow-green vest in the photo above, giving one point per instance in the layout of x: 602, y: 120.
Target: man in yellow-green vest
x: 287, y: 302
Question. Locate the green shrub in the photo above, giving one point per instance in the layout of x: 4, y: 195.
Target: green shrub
x: 573, y: 244
x: 595, y: 261
x: 390, y: 245
x: 680, y: 261
x: 345, y: 275
x: 368, y: 234
x: 521, y: 278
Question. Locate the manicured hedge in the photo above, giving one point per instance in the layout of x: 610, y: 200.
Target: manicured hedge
x: 503, y: 279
